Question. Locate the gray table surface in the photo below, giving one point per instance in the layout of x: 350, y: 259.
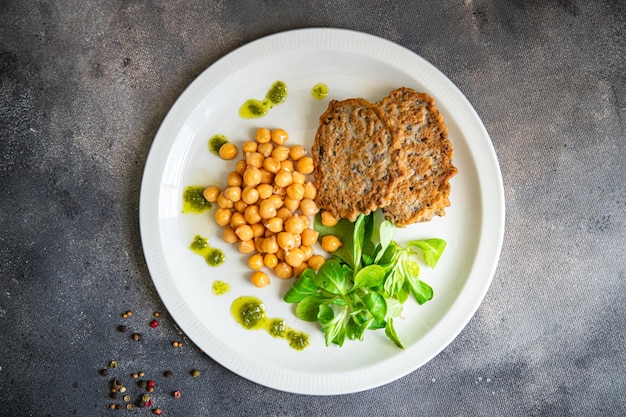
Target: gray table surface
x: 84, y: 86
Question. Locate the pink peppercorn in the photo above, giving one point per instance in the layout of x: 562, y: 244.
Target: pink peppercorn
x: 151, y: 383
x: 148, y: 403
x: 154, y: 323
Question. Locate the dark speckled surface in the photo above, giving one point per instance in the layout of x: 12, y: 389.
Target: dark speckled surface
x: 83, y: 89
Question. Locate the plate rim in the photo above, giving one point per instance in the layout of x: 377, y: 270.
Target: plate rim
x: 323, y: 38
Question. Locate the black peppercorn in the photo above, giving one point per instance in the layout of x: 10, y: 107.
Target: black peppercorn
x: 121, y: 328
x: 168, y: 374
x: 136, y: 337
x: 104, y: 372
x: 143, y: 384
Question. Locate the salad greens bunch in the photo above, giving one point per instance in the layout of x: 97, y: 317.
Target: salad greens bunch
x: 365, y: 282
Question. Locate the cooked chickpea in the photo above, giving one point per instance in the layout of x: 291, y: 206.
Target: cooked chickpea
x: 246, y: 246
x: 269, y: 245
x: 236, y: 220
x: 234, y: 179
x: 251, y: 214
x: 276, y: 201
x: 279, y: 136
x: 309, y: 237
x: 260, y: 279
x: 294, y: 257
x: 294, y: 225
x: 331, y: 243
x: 283, y: 178
x: 328, y: 219
x: 240, y: 167
x: 280, y: 153
x: 266, y: 176
x: 287, y: 165
x: 249, y: 146
x: 252, y: 176
x: 283, y: 270
x: 295, y: 191
x: 275, y: 224
x: 222, y: 216
x: 250, y: 195
x: 308, y: 207
x: 210, y: 193
x: 270, y: 260
x: 309, y: 190
x: 316, y: 261
x: 296, y: 152
x: 284, y: 213
x: 286, y: 240
x: 298, y: 177
x: 258, y: 242
x: 233, y: 194
x: 255, y: 261
x: 244, y: 232
x: 308, y: 252
x: 267, y: 209
x: 265, y: 191
x: 258, y: 230
x: 240, y: 206
x: 262, y: 135
x: 229, y: 235
x: 265, y: 149
x: 292, y: 204
x: 305, y: 165
x: 223, y: 202
x: 254, y: 159
x: 228, y: 151
x: 271, y: 164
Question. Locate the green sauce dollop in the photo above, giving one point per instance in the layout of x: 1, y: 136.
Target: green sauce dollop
x: 212, y: 256
x: 250, y: 312
x: 220, y: 287
x: 216, y: 142
x: 194, y: 201
x: 319, y: 91
x: 254, y: 108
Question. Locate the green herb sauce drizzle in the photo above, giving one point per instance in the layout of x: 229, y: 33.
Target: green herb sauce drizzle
x: 254, y: 108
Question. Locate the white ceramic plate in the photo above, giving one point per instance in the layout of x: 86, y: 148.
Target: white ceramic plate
x: 352, y: 65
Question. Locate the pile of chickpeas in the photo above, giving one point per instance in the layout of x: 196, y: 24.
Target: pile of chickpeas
x: 266, y: 207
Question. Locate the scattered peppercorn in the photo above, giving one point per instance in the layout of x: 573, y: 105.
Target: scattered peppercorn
x: 157, y: 314
x: 112, y: 406
x: 134, y: 375
x: 113, y: 364
x: 150, y: 389
x: 157, y: 411
x: 154, y: 323
x: 118, y: 407
x: 113, y: 395
x: 195, y: 373
x: 143, y: 384
x: 177, y: 344
x: 176, y: 394
x: 148, y: 403
x: 129, y: 406
x: 104, y: 372
x: 127, y: 314
x: 121, y: 328
x: 168, y: 374
x: 127, y: 398
x: 145, y: 398
x: 117, y: 384
x: 123, y: 390
x: 142, y: 374
x: 136, y: 337
x: 151, y: 383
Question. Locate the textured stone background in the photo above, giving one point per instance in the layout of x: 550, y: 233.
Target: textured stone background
x: 84, y: 86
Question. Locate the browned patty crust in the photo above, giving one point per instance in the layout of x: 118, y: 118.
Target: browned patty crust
x: 357, y: 155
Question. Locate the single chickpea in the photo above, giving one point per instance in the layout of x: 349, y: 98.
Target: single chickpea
x: 296, y: 152
x: 270, y: 260
x: 228, y: 151
x: 284, y: 213
x: 240, y: 166
x: 240, y: 206
x: 292, y: 204
x: 286, y: 240
x: 236, y: 220
x: 275, y: 224
x: 328, y: 219
x: 287, y: 165
x: 331, y: 243
x: 246, y: 246
x: 229, y: 235
x: 223, y: 202
x: 233, y: 179
x: 233, y: 194
x: 265, y: 191
x: 250, y: 195
x: 262, y: 135
x: 270, y: 245
x: 283, y: 178
x: 308, y: 252
x: 315, y: 262
x: 266, y: 177
x: 260, y: 279
x: 267, y: 209
x: 252, y: 176
x: 255, y: 261
x: 283, y: 270
x: 251, y: 214
x: 294, y: 225
x: 280, y: 254
x: 309, y: 237
x: 308, y: 207
x: 249, y: 146
x: 297, y: 271
x: 309, y: 190
x: 265, y: 149
x: 222, y: 217
x: 294, y: 257
x: 258, y: 230
x: 279, y: 136
x: 295, y: 191
x: 244, y: 232
x: 305, y: 165
x: 210, y: 193
x: 298, y: 177
x: 254, y: 159
x: 258, y: 242
x: 280, y: 153
x: 271, y: 164
x: 276, y: 201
